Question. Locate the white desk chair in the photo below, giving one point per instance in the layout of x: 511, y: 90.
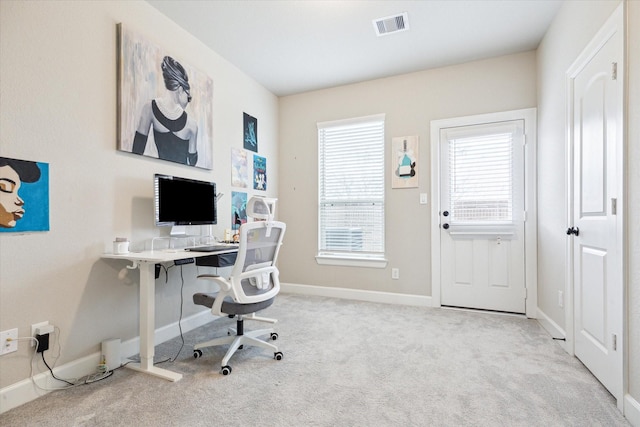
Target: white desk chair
x: 251, y: 287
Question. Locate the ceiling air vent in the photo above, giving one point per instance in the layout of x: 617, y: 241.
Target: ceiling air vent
x: 391, y: 24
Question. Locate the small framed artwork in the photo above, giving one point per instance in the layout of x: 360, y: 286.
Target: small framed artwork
x: 259, y: 173
x: 238, y: 209
x: 239, y: 168
x: 24, y: 195
x: 250, y: 126
x: 404, y: 163
x: 165, y: 106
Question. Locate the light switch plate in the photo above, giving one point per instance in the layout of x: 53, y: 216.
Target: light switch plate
x: 424, y: 199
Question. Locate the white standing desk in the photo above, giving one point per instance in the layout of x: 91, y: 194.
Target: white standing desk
x: 146, y: 261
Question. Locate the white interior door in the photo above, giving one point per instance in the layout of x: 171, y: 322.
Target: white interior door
x: 597, y: 223
x: 482, y: 250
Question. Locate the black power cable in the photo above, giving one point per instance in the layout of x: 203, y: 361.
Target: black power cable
x: 51, y: 370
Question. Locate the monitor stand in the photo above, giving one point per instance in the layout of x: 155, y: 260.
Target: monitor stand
x: 178, y: 231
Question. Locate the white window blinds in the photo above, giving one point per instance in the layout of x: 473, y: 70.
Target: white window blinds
x: 351, y: 187
x: 481, y: 174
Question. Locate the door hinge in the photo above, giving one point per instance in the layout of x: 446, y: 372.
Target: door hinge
x: 524, y: 216
x: 614, y: 71
x: 614, y: 342
x: 614, y: 206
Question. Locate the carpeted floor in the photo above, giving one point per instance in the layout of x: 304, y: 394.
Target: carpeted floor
x: 350, y: 363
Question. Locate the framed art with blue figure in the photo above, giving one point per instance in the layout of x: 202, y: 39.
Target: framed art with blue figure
x: 404, y: 173
x: 164, y: 105
x: 24, y: 195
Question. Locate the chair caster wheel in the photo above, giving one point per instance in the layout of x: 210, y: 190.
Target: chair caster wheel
x: 226, y: 370
x: 274, y: 336
x: 277, y: 355
x: 197, y: 354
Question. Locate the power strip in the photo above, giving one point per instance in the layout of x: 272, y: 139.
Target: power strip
x: 184, y: 261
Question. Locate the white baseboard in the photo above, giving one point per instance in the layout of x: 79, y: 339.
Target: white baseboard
x: 25, y: 391
x: 632, y: 410
x: 357, y: 295
x: 552, y: 328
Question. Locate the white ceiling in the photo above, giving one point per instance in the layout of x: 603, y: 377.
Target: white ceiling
x: 296, y: 46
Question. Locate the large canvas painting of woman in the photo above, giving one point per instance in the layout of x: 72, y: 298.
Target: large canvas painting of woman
x: 165, y: 106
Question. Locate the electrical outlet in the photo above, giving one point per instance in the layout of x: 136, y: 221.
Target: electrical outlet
x: 424, y: 198
x: 34, y: 330
x: 8, y: 341
x: 395, y: 273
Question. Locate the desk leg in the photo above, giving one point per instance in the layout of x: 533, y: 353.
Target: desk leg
x: 147, y: 326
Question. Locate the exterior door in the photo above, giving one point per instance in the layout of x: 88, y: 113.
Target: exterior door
x: 596, y: 231
x: 482, y: 251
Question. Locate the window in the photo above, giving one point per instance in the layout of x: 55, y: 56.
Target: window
x: 351, y: 192
x: 480, y: 178
x: 480, y: 181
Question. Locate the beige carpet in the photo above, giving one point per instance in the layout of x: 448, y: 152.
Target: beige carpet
x: 350, y: 364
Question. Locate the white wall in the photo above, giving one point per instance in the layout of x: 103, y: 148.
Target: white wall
x: 58, y: 105
x: 410, y: 102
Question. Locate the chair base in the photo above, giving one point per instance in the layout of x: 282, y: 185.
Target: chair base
x: 237, y: 341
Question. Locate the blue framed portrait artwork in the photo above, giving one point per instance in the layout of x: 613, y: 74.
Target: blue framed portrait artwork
x: 24, y: 195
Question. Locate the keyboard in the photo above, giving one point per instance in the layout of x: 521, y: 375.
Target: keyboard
x: 211, y: 248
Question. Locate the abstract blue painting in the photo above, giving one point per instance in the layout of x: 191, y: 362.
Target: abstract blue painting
x: 238, y: 209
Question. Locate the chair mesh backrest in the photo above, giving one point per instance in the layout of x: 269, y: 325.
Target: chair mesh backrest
x: 259, y: 245
x: 262, y: 249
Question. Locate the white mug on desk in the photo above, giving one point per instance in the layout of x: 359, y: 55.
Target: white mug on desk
x: 120, y: 245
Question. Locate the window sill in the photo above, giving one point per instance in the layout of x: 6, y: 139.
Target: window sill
x: 351, y: 261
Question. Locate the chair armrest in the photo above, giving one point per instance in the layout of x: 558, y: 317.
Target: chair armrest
x: 225, y: 285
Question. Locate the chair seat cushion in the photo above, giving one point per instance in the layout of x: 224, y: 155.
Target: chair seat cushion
x: 231, y: 307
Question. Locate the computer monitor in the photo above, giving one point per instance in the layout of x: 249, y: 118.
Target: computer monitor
x: 182, y: 201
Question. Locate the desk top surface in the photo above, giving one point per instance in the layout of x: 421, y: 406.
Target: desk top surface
x: 165, y: 255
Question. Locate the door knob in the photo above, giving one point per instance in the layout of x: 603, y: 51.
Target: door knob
x: 573, y: 230
x: 445, y: 213
x: 445, y: 226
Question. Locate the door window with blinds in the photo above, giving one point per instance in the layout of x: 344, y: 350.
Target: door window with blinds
x: 484, y: 174
x: 351, y: 190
